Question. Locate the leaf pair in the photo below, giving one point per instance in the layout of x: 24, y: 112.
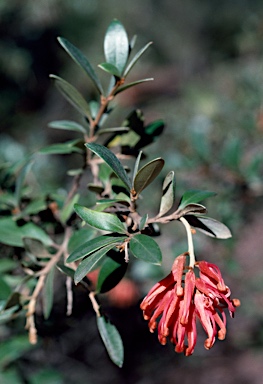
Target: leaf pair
x: 142, y: 178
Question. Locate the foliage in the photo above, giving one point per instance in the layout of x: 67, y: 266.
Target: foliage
x: 60, y: 233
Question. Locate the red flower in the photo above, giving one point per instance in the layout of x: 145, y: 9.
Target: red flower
x: 180, y: 298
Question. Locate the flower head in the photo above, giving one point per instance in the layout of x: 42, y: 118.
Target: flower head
x: 181, y: 298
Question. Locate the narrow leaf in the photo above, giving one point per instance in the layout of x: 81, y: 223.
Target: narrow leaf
x: 112, y: 340
x: 168, y: 195
x: 145, y: 248
x: 136, y: 166
x: 110, y: 68
x: 67, y: 125
x: 81, y: 236
x: 68, y: 209
x: 147, y: 174
x: 113, y: 162
x: 72, y: 95
x: 7, y: 315
x: 82, y: 61
x: 192, y: 209
x: 129, y: 85
x: 143, y: 222
x: 21, y: 178
x: 194, y: 196
x: 93, y: 245
x: 116, y: 45
x: 61, y: 148
x: 100, y: 220
x: 113, y: 130
x: 209, y: 226
x: 136, y: 58
x: 48, y: 293
x: 12, y: 234
x: 91, y: 262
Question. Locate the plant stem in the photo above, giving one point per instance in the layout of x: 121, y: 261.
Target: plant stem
x: 190, y: 241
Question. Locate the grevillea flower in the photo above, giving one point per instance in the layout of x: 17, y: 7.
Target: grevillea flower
x: 181, y: 298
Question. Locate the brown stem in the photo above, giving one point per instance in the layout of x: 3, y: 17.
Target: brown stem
x: 30, y: 322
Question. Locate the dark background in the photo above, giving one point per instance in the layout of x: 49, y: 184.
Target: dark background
x: 207, y: 63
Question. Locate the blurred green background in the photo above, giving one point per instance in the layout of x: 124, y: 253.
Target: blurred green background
x: 207, y: 62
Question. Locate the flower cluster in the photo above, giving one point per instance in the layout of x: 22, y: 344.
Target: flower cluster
x: 181, y: 297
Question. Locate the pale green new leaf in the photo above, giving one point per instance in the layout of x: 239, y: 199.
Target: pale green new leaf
x: 116, y: 45
x: 110, y: 68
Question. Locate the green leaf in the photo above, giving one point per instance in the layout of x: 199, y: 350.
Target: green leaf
x: 111, y: 273
x: 100, y: 220
x: 82, y: 61
x: 7, y: 315
x: 155, y: 128
x: 34, y: 232
x: 209, y: 226
x: 136, y: 58
x: 116, y: 45
x: 116, y: 130
x: 21, y: 178
x: 7, y: 265
x: 72, y: 95
x: 5, y: 290
x: 112, y: 161
x: 80, y: 237
x: 68, y: 209
x: 194, y: 196
x: 66, y: 270
x: 67, y: 125
x: 136, y: 165
x: 12, y: 234
x: 147, y: 174
x: 91, y: 262
x: 110, y: 68
x: 129, y: 85
x: 61, y: 148
x: 191, y: 209
x: 101, y: 205
x: 36, y: 248
x: 35, y: 206
x: 145, y: 248
x: 93, y: 245
x: 168, y: 195
x: 112, y: 340
x: 12, y: 348
x: 48, y: 293
x: 143, y: 221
